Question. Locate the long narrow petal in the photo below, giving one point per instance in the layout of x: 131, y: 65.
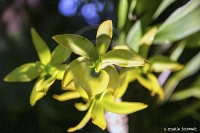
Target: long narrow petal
x: 24, y: 73
x: 35, y: 95
x: 122, y: 107
x: 41, y: 47
x: 85, y: 119
x: 59, y: 55
x: 124, y: 58
x: 103, y: 38
x: 77, y: 44
x: 67, y: 96
x: 81, y: 106
x: 113, y: 78
x: 98, y: 117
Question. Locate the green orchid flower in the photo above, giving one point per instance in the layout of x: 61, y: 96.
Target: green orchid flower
x: 90, y: 70
x: 99, y: 104
x: 157, y: 64
x: 48, y: 69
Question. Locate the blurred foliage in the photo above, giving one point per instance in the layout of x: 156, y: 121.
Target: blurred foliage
x: 160, y: 31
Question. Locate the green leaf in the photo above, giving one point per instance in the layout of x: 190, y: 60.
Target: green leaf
x: 113, y: 77
x: 122, y: 107
x: 182, y: 23
x: 41, y: 47
x: 103, y: 38
x: 74, y: 69
x: 191, y: 91
x: 189, y: 69
x: 122, y: 13
x: 35, y: 96
x: 24, y: 73
x: 67, y: 96
x: 59, y: 55
x: 164, y: 4
x: 160, y: 63
x: 134, y: 35
x: 98, y: 117
x: 77, y: 44
x: 85, y: 119
x: 124, y: 58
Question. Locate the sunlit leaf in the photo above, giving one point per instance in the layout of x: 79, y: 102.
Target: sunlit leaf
x: 93, y: 84
x: 103, y: 38
x: 74, y: 69
x: 84, y: 120
x: 189, y: 69
x: 98, y: 117
x: 67, y: 96
x: 24, y: 73
x: 134, y: 35
x: 122, y: 107
x: 122, y: 13
x: 59, y: 55
x: 77, y: 44
x: 172, y: 30
x: 160, y: 63
x: 41, y: 47
x: 124, y: 58
x: 164, y: 4
x: 113, y: 77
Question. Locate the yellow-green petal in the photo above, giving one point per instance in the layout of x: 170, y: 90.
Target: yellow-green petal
x: 123, y: 85
x: 61, y: 71
x: 84, y: 120
x: 35, y: 95
x: 41, y: 47
x: 45, y: 82
x: 23, y: 73
x: 59, y: 55
x: 93, y: 85
x: 81, y: 106
x: 79, y: 89
x: 124, y: 58
x: 67, y: 96
x: 152, y: 84
x: 160, y: 63
x: 103, y: 38
x: 122, y: 107
x: 74, y: 69
x: 98, y: 117
x: 113, y: 77
x: 77, y: 44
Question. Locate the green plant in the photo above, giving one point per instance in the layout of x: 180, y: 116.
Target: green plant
x: 101, y: 77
